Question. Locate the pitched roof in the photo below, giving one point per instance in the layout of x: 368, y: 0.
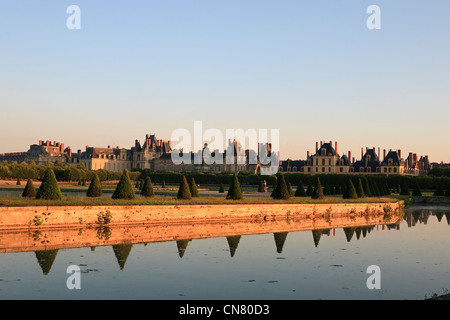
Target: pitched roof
x: 327, y: 148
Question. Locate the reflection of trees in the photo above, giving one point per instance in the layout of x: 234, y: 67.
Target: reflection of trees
x: 280, y: 239
x: 182, y: 245
x: 358, y: 231
x: 122, y: 251
x: 439, y: 215
x: 349, y: 232
x: 317, y: 234
x: 46, y: 259
x: 233, y: 243
x: 447, y: 216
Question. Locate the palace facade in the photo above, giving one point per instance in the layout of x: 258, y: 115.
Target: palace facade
x: 156, y: 154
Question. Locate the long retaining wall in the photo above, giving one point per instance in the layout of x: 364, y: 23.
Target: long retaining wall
x: 29, y: 218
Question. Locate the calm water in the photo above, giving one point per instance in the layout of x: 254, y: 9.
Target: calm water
x: 413, y: 256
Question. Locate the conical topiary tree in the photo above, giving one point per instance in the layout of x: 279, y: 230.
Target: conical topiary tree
x: 300, y: 192
x: 183, y: 192
x: 95, y: 188
x: 221, y: 188
x: 360, y: 189
x: 147, y: 189
x: 124, y: 189
x: 18, y: 182
x: 49, y: 189
x: 350, y: 192
x: 163, y: 184
x: 29, y: 191
x: 368, y: 192
x: 309, y: 189
x: 235, y: 191
x: 291, y: 191
x: 193, y: 188
x: 318, y: 192
x: 281, y: 191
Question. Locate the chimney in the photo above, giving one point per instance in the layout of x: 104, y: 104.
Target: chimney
x: 47, y: 143
x: 79, y: 153
x: 415, y: 157
x: 379, y: 153
x: 349, y: 156
x: 384, y: 154
x: 362, y: 152
x: 336, y: 146
x: 61, y: 148
x: 331, y: 143
x: 41, y: 142
x: 308, y: 154
x: 399, y: 153
x: 147, y: 137
x: 87, y: 147
x: 317, y: 147
x: 353, y: 160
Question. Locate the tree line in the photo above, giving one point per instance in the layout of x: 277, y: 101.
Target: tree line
x: 66, y: 172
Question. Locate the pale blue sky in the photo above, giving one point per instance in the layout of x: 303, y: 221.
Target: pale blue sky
x: 309, y: 68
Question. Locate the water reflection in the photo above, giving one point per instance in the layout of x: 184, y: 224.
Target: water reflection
x: 53, y: 240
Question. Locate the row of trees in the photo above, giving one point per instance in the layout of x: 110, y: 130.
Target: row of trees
x: 66, y: 172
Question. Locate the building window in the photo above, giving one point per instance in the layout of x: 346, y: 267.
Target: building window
x: 309, y: 169
x: 361, y: 169
x: 329, y: 162
x: 395, y: 170
x: 294, y: 169
x: 341, y: 169
x: 323, y: 169
x: 369, y: 169
x: 323, y: 162
x: 329, y: 169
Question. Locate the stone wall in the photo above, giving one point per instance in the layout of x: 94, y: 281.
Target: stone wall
x: 28, y: 218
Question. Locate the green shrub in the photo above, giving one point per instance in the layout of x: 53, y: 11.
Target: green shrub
x: 221, y: 188
x: 124, y: 189
x: 95, y: 188
x: 281, y: 191
x: 360, y: 189
x: 184, y: 192
x: 193, y: 188
x: 350, y: 192
x: 318, y: 192
x: 29, y: 191
x: 300, y: 192
x: 147, y: 188
x: 235, y: 192
x: 49, y: 189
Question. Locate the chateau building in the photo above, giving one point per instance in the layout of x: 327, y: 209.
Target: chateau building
x: 157, y: 155
x: 327, y: 160
x: 41, y: 153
